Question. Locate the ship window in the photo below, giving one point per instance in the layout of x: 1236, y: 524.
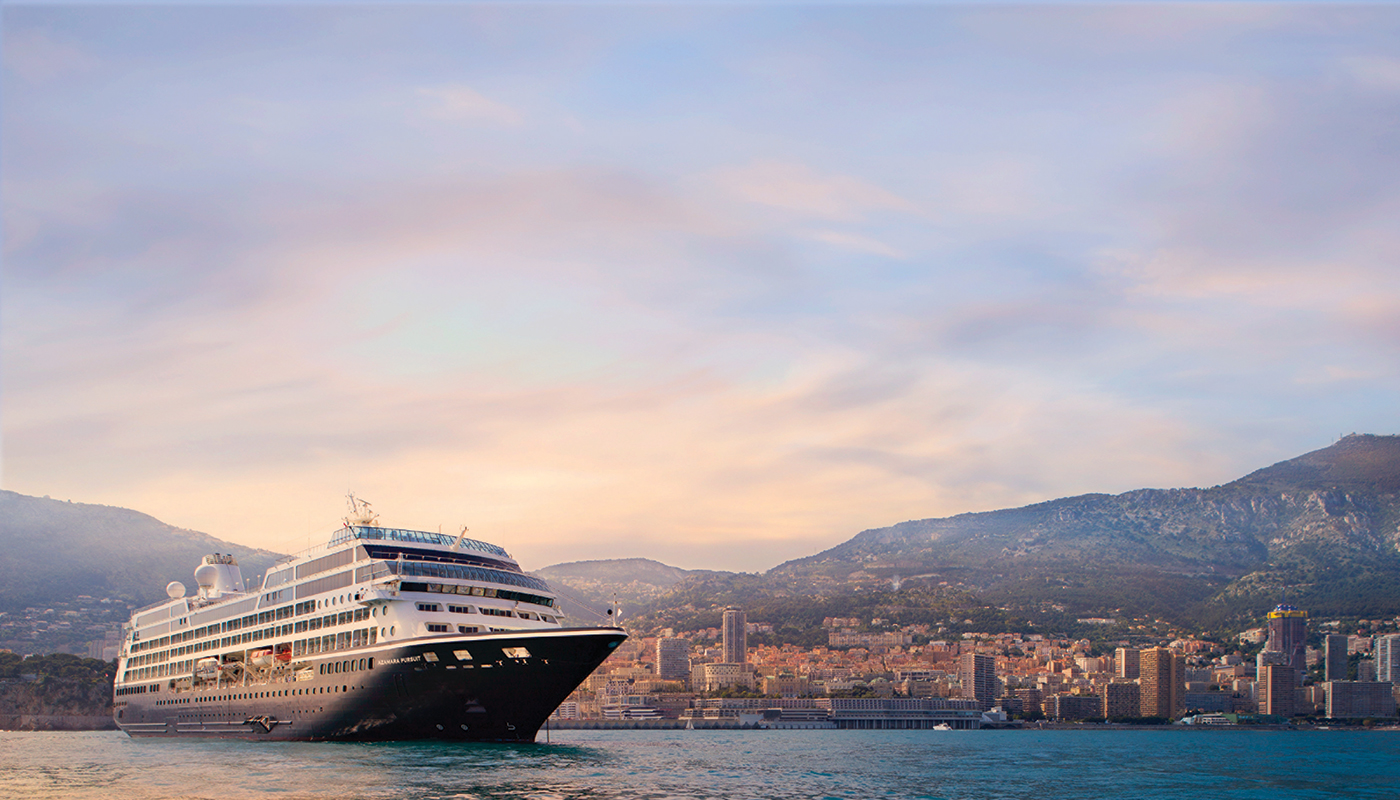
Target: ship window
x: 462, y: 655
x: 428, y: 606
x: 515, y: 652
x: 439, y: 628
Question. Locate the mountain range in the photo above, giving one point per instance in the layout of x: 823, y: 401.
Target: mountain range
x: 1321, y: 530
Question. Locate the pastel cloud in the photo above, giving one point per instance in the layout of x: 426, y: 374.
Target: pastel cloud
x: 36, y: 57
x: 466, y: 104
x: 719, y: 286
x: 797, y: 187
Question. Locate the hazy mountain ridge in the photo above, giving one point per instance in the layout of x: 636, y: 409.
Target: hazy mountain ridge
x: 53, y: 550
x: 1311, y: 526
x: 631, y: 582
x: 1322, y: 529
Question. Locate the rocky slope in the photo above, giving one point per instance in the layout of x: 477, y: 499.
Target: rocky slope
x: 1322, y: 528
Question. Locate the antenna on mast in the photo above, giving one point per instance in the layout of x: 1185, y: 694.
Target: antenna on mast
x: 457, y: 544
x: 360, y: 512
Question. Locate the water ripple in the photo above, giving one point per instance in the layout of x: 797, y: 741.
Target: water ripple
x: 694, y: 765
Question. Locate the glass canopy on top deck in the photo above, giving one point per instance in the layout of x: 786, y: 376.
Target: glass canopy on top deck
x: 371, y: 532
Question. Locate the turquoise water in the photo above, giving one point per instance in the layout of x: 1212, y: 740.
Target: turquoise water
x: 600, y: 765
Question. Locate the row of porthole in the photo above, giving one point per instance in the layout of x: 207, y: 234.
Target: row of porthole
x: 262, y: 695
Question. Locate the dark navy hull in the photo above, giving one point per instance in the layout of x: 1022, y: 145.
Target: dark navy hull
x: 473, y: 687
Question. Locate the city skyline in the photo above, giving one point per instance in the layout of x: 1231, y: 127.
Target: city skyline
x: 716, y: 285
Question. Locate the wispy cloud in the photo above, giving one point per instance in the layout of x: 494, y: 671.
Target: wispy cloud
x: 465, y: 104
x: 797, y: 187
x: 854, y: 241
x: 37, y: 57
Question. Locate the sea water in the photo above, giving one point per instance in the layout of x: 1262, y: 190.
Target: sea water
x: 632, y: 765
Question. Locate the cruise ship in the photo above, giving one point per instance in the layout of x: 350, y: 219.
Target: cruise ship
x: 381, y: 634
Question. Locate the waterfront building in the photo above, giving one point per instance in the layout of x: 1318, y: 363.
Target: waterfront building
x: 1212, y: 702
x: 1011, y: 704
x: 566, y: 710
x: 977, y: 672
x: 903, y: 713
x: 1163, y: 679
x: 787, y: 686
x: 1335, y: 657
x: 1121, y: 699
x: 864, y: 713
x: 1030, y: 701
x: 736, y: 636
x: 672, y: 658
x: 1074, y: 706
x: 1288, y: 634
x: 1278, y: 690
x: 1126, y: 663
x: 1358, y: 699
x: 1388, y: 658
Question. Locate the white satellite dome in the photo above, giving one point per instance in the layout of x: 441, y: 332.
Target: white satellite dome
x: 175, y: 589
x: 206, y: 575
x: 219, y: 575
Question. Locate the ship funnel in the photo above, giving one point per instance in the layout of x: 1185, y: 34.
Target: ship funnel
x: 219, y: 575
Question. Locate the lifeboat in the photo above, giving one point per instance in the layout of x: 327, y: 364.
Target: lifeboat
x: 206, y: 668
x: 260, y: 658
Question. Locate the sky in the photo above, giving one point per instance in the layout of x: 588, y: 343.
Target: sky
x: 718, y: 284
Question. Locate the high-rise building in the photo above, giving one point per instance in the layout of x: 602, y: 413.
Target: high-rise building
x: 1358, y: 699
x: 672, y: 659
x: 1388, y: 658
x: 1074, y: 706
x: 1126, y: 663
x: 1121, y: 699
x: 978, y: 674
x: 1030, y: 700
x: 736, y: 636
x: 1288, y: 634
x: 1335, y: 656
x: 1278, y: 690
x: 1163, y: 680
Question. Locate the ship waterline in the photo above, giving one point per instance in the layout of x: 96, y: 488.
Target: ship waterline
x: 383, y: 634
